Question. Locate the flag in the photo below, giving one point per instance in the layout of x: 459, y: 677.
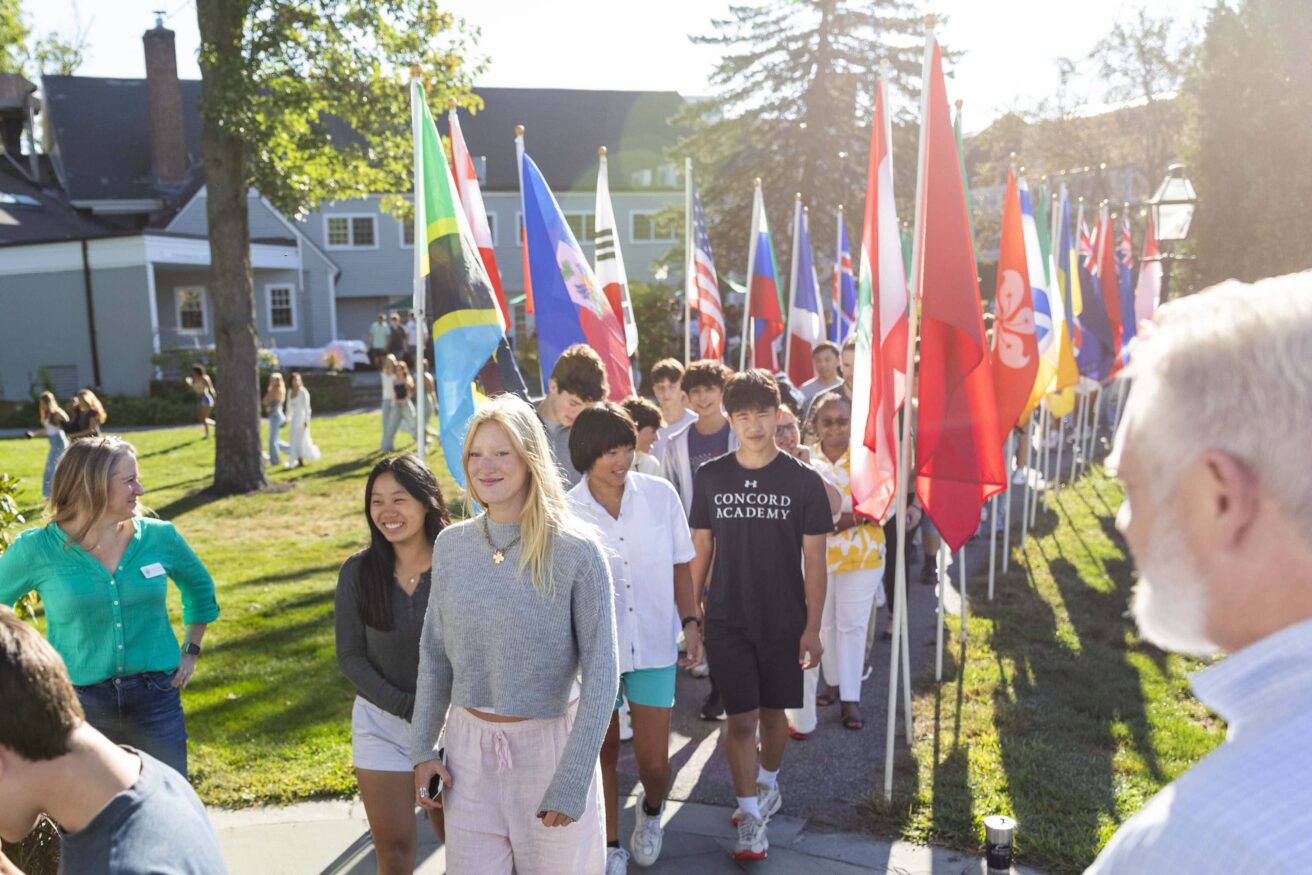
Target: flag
x: 763, y: 292
x: 710, y: 313
x: 1060, y: 392
x: 571, y: 307
x: 806, y: 324
x: 1015, y: 358
x: 879, y: 383
x: 1125, y: 282
x: 1044, y: 336
x: 501, y: 373
x: 460, y: 298
x: 1097, y: 337
x: 958, y: 456
x: 1109, y: 287
x: 1148, y: 292
x: 844, y: 287
x: 610, y: 261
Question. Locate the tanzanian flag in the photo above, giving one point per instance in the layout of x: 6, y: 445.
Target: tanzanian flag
x: 460, y: 302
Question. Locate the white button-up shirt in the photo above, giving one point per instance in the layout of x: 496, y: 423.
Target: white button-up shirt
x: 1247, y: 806
x: 650, y: 537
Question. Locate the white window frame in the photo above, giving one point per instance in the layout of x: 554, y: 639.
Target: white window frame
x: 650, y: 214
x: 204, y: 309
x: 492, y: 227
x: 583, y: 215
x: 291, y: 300
x: 519, y: 229
x: 400, y: 234
x: 350, y: 217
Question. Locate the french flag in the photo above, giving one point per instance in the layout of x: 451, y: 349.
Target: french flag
x: 763, y: 291
x: 805, y: 324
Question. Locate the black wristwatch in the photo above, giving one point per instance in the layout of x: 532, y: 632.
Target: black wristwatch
x: 687, y: 620
x: 191, y: 649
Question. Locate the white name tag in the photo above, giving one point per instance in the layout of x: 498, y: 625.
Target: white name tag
x: 154, y: 569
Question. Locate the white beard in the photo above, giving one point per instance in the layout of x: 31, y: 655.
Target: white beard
x: 1170, y: 598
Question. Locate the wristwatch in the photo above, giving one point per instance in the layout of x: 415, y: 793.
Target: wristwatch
x: 191, y: 649
x: 690, y: 619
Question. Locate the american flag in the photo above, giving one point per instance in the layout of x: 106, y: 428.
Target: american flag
x: 710, y: 315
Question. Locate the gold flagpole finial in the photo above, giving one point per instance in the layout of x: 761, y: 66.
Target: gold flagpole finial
x: 957, y: 103
x: 756, y: 183
x: 519, y: 130
x: 798, y: 197
x: 450, y: 103
x: 601, y: 152
x: 930, y: 21
x: 416, y: 71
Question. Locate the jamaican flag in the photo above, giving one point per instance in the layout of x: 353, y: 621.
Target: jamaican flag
x: 459, y: 301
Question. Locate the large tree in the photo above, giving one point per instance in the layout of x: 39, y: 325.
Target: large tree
x: 1251, y: 97
x: 306, y: 101
x: 795, y: 88
x: 22, y: 51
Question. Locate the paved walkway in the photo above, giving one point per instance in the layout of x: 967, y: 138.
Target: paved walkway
x: 332, y: 838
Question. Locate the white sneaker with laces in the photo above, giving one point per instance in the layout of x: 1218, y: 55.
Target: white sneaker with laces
x: 617, y: 861
x: 752, y: 843
x: 626, y: 722
x: 770, y: 800
x: 648, y: 835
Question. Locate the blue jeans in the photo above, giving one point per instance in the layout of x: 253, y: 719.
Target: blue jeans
x: 58, y: 443
x: 141, y: 710
x: 276, y: 422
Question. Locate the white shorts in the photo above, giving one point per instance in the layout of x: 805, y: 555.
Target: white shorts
x: 380, y: 742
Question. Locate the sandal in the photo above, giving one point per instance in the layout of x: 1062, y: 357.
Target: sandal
x: 797, y: 736
x: 853, y: 721
x: 824, y: 700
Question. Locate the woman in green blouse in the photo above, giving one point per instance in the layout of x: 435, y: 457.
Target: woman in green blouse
x: 102, y: 572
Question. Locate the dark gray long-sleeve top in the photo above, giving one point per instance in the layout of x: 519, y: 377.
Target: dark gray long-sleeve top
x: 492, y: 641
x: 382, y: 665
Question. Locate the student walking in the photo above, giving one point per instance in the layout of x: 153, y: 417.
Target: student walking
x: 86, y: 416
x: 53, y: 420
x: 298, y: 405
x: 761, y: 516
x: 203, y: 388
x: 648, y: 421
x: 377, y: 339
x: 521, y: 603
x: 382, y: 597
x: 102, y: 571
x: 666, y: 386
x: 642, y: 523
x: 706, y: 438
x: 578, y: 380
x: 274, y: 398
x: 403, y: 398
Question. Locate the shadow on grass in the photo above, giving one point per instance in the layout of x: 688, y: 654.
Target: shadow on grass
x: 294, y: 576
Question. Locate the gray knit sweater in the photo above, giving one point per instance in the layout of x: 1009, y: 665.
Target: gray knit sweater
x: 491, y: 641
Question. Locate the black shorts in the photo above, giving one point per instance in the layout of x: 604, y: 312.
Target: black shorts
x: 753, y: 674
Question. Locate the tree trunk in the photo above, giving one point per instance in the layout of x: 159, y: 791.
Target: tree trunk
x: 238, y: 466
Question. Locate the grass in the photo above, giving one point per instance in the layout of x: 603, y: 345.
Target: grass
x: 267, y: 710
x: 1062, y: 717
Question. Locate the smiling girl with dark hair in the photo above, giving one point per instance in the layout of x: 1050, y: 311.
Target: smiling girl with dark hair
x: 382, y: 596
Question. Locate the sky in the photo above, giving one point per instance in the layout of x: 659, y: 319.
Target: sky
x: 1010, y: 46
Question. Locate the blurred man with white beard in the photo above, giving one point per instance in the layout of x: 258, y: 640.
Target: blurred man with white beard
x: 1213, y: 452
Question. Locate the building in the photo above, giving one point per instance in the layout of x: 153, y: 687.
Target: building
x: 104, y: 255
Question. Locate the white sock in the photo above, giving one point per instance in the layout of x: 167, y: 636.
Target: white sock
x: 749, y: 805
x: 767, y: 777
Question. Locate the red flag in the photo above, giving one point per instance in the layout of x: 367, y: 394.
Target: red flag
x: 1015, y: 358
x: 958, y: 455
x: 1109, y: 279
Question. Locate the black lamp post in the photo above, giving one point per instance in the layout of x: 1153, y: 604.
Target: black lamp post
x: 1173, y: 212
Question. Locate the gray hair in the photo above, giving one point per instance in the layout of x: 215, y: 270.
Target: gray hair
x: 1229, y: 369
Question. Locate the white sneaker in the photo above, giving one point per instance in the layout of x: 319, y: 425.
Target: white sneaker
x: 626, y: 722
x: 1021, y: 475
x: 770, y: 800
x: 648, y: 835
x: 617, y: 861
x: 752, y: 843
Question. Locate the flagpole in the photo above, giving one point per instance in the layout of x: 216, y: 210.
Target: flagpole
x: 1013, y: 447
x: 421, y: 241
x: 835, y: 329
x: 792, y: 281
x: 943, y: 579
x: 1045, y: 424
x: 993, y: 527
x: 961, y: 560
x: 1077, y: 463
x: 901, y: 624
x: 522, y: 230
x: 689, y: 262
x: 751, y: 262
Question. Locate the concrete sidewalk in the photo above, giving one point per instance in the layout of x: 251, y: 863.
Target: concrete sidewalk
x: 332, y: 838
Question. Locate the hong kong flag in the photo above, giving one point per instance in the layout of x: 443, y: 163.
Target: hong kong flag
x: 1015, y: 359
x: 958, y: 455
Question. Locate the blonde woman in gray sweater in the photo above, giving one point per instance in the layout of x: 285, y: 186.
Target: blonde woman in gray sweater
x: 521, y: 606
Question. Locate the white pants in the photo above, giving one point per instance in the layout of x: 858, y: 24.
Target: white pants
x: 848, y: 599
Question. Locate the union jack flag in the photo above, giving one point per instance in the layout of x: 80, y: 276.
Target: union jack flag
x: 710, y: 315
x: 1125, y: 248
x: 1089, y: 248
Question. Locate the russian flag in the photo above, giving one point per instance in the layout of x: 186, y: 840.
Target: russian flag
x: 805, y: 324
x: 763, y: 290
x: 844, y: 287
x: 569, y: 304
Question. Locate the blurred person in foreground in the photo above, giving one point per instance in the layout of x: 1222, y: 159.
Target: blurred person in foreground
x: 1218, y: 514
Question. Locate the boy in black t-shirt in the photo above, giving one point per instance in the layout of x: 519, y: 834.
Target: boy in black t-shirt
x: 761, y: 514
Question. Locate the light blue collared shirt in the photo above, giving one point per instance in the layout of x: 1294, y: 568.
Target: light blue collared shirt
x: 1247, y: 806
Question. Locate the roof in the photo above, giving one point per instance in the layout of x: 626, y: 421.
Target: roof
x: 31, y: 215
x: 101, y: 131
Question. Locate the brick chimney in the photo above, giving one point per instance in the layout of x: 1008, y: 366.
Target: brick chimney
x: 168, y: 144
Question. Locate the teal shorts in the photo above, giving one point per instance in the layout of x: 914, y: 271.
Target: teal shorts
x: 653, y: 687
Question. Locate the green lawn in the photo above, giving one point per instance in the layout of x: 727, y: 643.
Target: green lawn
x: 1062, y: 718
x: 267, y: 711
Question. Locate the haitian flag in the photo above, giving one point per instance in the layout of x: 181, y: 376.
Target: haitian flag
x: 805, y: 324
x: 844, y: 287
x: 569, y: 305
x: 763, y: 292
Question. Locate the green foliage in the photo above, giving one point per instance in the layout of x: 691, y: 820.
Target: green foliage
x: 794, y: 96
x: 22, y: 51
x: 658, y: 311
x: 1250, y: 93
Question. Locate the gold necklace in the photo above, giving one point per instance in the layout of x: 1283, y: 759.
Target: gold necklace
x: 498, y: 553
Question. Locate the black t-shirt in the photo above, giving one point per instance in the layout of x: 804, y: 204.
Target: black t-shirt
x: 758, y: 517
x: 396, y: 339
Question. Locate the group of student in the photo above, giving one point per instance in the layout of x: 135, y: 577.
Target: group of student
x: 82, y: 417
x: 491, y: 657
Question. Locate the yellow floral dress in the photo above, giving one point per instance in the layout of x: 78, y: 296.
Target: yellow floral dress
x: 860, y: 547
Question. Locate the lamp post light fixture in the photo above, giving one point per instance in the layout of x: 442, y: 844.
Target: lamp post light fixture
x: 1172, y: 208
